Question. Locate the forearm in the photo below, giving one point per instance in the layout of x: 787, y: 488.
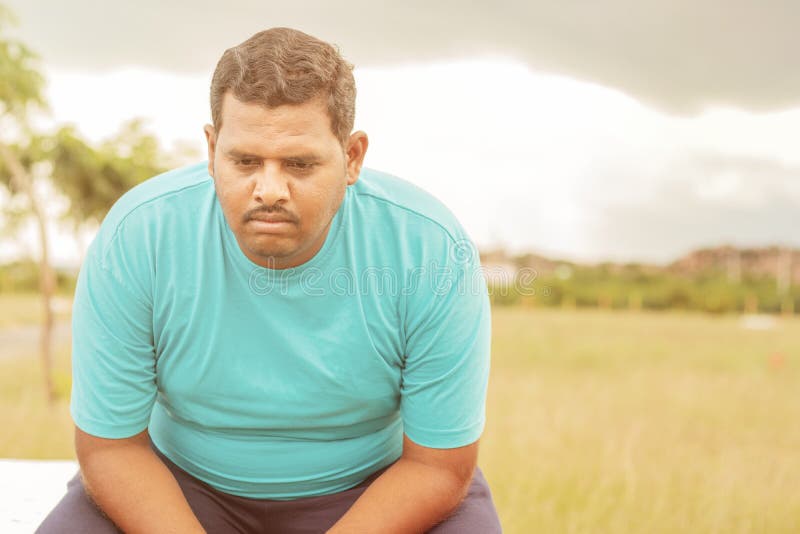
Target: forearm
x: 408, y: 497
x: 134, y: 488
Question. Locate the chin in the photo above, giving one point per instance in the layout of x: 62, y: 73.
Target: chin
x: 272, y: 253
x: 276, y: 250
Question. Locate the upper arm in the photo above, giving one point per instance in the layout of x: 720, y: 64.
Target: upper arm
x: 446, y: 367
x: 113, y: 355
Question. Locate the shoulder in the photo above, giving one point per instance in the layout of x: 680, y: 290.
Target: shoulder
x: 406, y: 205
x: 146, y: 203
x: 157, y: 189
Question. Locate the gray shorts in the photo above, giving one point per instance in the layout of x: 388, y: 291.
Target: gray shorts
x: 222, y: 513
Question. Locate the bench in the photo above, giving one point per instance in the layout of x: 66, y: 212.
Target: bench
x: 29, y: 489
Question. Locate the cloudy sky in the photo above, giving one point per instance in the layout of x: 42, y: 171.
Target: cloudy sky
x: 619, y: 129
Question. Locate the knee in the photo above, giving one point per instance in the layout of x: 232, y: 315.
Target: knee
x: 76, y: 513
x: 475, y: 515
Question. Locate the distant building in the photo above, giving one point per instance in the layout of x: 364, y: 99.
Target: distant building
x: 775, y: 262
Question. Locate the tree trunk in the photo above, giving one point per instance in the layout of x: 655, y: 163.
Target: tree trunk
x: 24, y: 183
x: 47, y: 285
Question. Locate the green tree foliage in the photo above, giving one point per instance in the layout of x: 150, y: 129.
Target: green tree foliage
x: 20, y: 82
x: 94, y: 178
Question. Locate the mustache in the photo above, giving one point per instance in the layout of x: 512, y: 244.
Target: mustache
x: 270, y: 210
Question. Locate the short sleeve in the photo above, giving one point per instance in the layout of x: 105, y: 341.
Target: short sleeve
x: 113, y: 358
x: 446, y: 371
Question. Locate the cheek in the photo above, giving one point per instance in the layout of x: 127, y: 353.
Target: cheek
x: 316, y: 205
x: 232, y: 196
x: 229, y: 184
x: 327, y: 199
x: 308, y: 197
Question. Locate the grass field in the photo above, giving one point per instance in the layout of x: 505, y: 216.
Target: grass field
x: 18, y: 309
x: 657, y: 423
x: 598, y: 422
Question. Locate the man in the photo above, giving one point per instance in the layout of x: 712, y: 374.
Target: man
x: 278, y: 340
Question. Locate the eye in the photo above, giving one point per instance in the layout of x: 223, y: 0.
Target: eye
x: 299, y: 165
x: 246, y: 162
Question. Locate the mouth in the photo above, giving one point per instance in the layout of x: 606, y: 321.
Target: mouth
x: 270, y: 224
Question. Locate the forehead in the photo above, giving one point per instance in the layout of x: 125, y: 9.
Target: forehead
x: 251, y: 127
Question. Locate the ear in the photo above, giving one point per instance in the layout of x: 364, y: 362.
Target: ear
x: 211, y: 140
x: 355, y: 151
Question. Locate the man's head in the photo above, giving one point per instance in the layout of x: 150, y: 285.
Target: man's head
x: 280, y: 148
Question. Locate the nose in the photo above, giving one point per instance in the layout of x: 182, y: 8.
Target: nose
x: 271, y: 186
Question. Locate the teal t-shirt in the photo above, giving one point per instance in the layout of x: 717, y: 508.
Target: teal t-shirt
x: 280, y: 384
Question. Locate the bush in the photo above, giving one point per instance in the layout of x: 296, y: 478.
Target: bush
x: 631, y: 286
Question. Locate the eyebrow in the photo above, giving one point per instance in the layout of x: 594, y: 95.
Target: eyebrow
x: 237, y: 154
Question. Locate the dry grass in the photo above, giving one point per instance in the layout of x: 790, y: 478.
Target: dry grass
x: 26, y: 308
x: 598, y: 422
x: 31, y: 427
x: 606, y: 422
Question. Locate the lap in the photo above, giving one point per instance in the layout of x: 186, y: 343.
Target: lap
x: 222, y: 513
x: 216, y: 511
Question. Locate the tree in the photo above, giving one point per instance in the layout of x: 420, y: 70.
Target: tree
x: 91, y: 178
x: 21, y: 90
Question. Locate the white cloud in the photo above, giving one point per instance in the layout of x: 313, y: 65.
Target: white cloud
x: 176, y: 107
